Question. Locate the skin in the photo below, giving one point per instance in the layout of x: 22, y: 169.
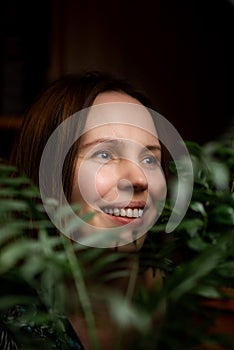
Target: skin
x: 125, y: 170
x: 119, y: 158
x: 128, y: 175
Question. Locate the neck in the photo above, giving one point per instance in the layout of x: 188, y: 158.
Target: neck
x: 118, y: 276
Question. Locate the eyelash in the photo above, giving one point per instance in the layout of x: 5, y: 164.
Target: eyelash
x: 154, y: 160
x: 99, y: 154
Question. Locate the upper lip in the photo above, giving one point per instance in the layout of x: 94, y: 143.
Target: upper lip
x: 132, y: 205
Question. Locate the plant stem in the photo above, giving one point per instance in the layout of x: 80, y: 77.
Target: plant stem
x: 82, y: 293
x: 129, y: 295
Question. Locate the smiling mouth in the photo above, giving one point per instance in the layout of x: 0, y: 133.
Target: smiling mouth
x: 124, y: 212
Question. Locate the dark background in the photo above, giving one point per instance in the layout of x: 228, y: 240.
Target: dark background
x: 179, y: 52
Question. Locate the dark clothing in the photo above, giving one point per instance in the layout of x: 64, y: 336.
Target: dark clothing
x: 25, y: 324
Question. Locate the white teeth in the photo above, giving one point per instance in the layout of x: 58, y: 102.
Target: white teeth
x: 122, y: 212
x: 116, y: 211
x: 130, y: 213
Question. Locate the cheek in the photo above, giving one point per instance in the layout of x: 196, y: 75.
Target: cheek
x: 83, y: 183
x: 157, y: 185
x: 105, y: 181
x: 92, y: 183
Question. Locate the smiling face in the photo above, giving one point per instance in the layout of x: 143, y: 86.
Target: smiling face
x: 118, y: 177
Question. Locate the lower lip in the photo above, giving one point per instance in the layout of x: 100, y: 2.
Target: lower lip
x: 120, y: 220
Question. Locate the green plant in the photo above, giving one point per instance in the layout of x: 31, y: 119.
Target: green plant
x: 197, y: 260
x: 202, y: 249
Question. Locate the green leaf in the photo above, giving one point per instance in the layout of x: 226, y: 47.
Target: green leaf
x: 14, y: 252
x: 209, y: 292
x: 196, y: 243
x: 223, y: 214
x: 7, y: 205
x: 126, y: 315
x: 191, y: 226
x: 198, y: 207
x: 226, y: 269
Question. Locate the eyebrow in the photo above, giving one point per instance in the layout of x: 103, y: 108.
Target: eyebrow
x: 116, y: 142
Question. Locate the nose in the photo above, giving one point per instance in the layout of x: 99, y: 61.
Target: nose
x: 131, y: 177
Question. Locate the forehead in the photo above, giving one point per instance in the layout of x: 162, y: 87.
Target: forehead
x: 120, y: 131
x: 118, y: 113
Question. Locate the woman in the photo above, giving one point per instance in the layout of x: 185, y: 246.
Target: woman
x: 111, y: 162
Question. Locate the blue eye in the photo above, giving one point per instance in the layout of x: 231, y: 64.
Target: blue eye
x: 102, y: 155
x: 150, y: 160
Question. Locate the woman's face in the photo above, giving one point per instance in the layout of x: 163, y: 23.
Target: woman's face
x: 118, y: 177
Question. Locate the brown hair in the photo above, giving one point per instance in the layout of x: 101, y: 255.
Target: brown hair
x: 57, y: 102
